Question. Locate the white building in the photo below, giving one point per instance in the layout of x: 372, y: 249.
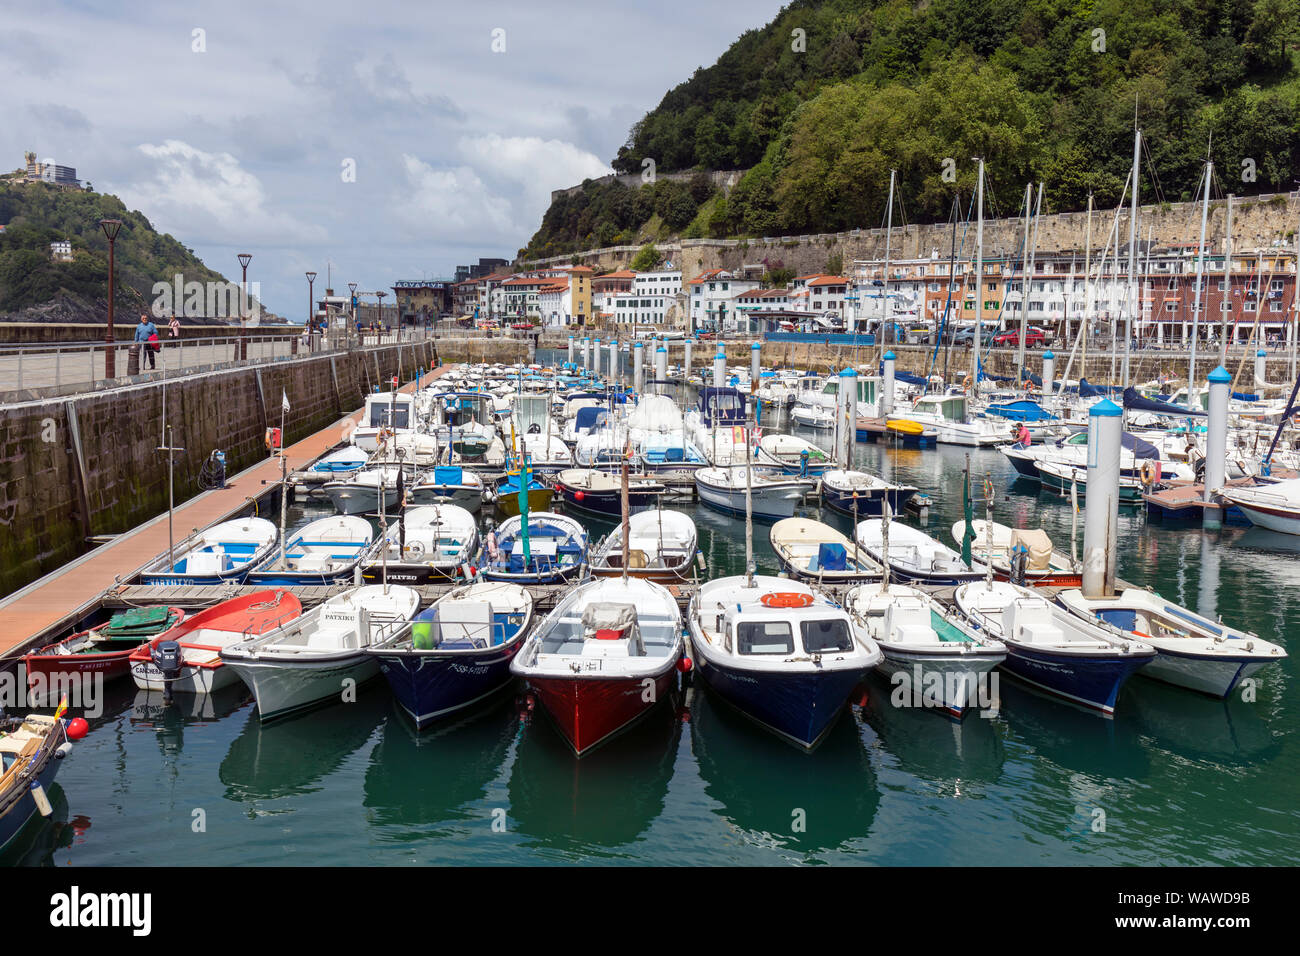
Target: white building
x: 61, y: 250
x: 652, y: 295
x: 712, y: 295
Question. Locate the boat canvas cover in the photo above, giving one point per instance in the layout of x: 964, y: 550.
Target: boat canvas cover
x: 1022, y: 411
x: 1139, y: 448
x: 588, y: 418
x: 1088, y: 390
x: 906, y: 377
x: 1141, y: 403
x: 610, y: 621
x: 448, y: 475
x: 1037, y: 543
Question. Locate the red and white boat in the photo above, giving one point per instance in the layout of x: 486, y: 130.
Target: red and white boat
x: 187, y: 657
x: 105, y: 649
x: 604, y: 657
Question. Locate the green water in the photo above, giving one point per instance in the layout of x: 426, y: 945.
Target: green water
x: 1180, y: 778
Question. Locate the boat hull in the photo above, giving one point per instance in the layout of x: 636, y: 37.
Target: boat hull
x: 957, y: 677
x: 539, y: 499
x: 20, y: 806
x: 1274, y: 519
x: 469, y: 498
x: 360, y: 500
x: 607, y: 503
x: 1090, y: 681
x: 589, y: 711
x: 285, y: 687
x: 47, y: 669
x: 767, y: 503
x: 869, y: 504
x: 799, y: 708
x: 193, y: 679
x: 429, y: 687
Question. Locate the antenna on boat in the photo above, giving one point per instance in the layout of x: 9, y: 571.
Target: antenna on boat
x: 988, y: 531
x: 626, y: 552
x: 383, y: 532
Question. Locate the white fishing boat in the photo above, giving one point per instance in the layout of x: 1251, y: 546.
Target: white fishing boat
x: 359, y: 494
x: 860, y: 494
x: 323, y: 552
x: 774, y: 496
x: 813, y: 416
x: 949, y: 416
x: 1043, y: 565
x: 661, y: 546
x: 778, y: 651
x: 811, y: 551
x: 321, y: 655
x: 428, y: 543
x: 604, y: 657
x: 912, y: 555
x: 1192, y: 651
x: 791, y: 455
x: 937, y: 656
x: 386, y: 413
x: 222, y: 554
x: 447, y: 485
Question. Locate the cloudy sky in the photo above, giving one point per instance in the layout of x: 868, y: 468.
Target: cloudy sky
x: 236, y: 126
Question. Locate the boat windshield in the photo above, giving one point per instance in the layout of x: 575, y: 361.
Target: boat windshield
x: 388, y: 416
x: 764, y: 637
x: 820, y: 637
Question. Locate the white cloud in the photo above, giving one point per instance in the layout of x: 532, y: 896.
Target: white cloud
x: 209, y: 197
x: 438, y: 200
x: 535, y: 164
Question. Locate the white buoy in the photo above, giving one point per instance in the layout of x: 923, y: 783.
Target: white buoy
x: 720, y: 368
x: 1216, y: 442
x: 638, y: 368
x: 755, y: 357
x: 613, y: 360
x: 686, y: 362
x: 1101, y: 510
x: 1049, y: 373
x: 887, y: 386
x: 1261, y: 363
x: 571, y: 349
x: 846, y: 404
x: 661, y: 362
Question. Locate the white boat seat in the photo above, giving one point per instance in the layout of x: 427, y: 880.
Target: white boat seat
x: 215, y: 561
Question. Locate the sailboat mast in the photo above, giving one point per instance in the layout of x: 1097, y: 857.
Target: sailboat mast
x: 1024, y: 282
x: 1227, y: 285
x: 979, y: 282
x: 1200, y: 278
x: 1131, y: 296
x: 749, y: 515
x: 889, y: 229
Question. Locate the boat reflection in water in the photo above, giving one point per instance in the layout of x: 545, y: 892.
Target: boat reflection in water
x: 761, y: 781
x: 607, y: 799
x: 36, y: 843
x: 1227, y: 732
x: 291, y: 757
x: 417, y: 781
x: 168, y: 719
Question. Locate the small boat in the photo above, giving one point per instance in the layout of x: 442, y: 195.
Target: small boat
x: 791, y: 455
x: 1191, y: 651
x: 907, y: 427
x: 326, y: 551
x: 604, y: 658
x: 223, y: 554
x: 914, y: 557
x: 860, y: 495
x: 187, y: 658
x: 427, y: 544
x: 599, y: 492
x: 540, y: 494
x: 661, y: 547
x: 1044, y: 566
x: 458, y: 651
x: 811, y: 551
x: 311, y: 659
x: 359, y: 494
x: 939, y: 658
x: 950, y: 416
x: 813, y: 416
x: 343, y: 461
x: 1060, y: 476
x: 1274, y: 506
x: 31, y: 750
x: 773, y: 497
x: 779, y: 652
x: 447, y: 485
x: 101, y: 650
x: 1050, y: 648
x: 556, y: 550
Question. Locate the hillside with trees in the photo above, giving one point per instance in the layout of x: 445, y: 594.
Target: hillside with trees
x: 821, y: 103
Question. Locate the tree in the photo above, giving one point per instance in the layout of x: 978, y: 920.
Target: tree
x: 647, y: 259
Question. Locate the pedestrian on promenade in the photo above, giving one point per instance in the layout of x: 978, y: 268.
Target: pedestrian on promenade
x: 175, y: 327
x: 146, y: 337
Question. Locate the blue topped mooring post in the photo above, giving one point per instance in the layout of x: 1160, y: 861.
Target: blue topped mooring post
x: 595, y: 354
x: 755, y: 357
x: 586, y: 353
x: 1261, y: 365
x: 613, y: 360
x: 638, y: 369
x: 719, y: 368
x: 846, y: 424
x: 661, y: 362
x: 887, y: 385
x: 1216, y: 445
x: 1049, y: 373
x: 570, y: 349
x: 1101, y: 511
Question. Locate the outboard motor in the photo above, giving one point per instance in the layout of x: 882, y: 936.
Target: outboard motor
x: 167, y: 657
x: 1019, y: 561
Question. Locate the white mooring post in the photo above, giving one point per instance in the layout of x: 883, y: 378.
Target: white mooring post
x: 755, y: 359
x: 887, y: 386
x: 1101, y: 512
x: 846, y: 426
x: 720, y: 368
x: 571, y: 349
x: 1049, y: 373
x: 613, y: 361
x: 638, y: 368
x: 586, y: 353
x: 596, y: 356
x: 661, y: 362
x: 686, y: 362
x: 1261, y: 363
x: 1216, y: 444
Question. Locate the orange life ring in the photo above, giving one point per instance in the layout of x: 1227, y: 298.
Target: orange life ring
x: 1150, y: 472
x: 786, y: 599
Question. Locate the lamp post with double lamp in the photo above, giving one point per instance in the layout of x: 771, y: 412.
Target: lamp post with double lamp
x: 352, y: 323
x: 244, y: 259
x: 311, y: 308
x: 379, y: 320
x: 110, y: 227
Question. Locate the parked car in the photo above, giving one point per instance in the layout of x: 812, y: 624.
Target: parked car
x: 966, y: 335
x: 1033, y: 337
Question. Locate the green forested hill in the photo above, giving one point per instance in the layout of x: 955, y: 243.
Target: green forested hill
x: 36, y: 214
x: 1043, y: 89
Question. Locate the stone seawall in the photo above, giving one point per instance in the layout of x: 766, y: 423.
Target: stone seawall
x: 89, y: 465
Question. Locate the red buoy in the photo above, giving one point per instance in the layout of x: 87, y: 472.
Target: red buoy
x: 77, y: 728
x: 684, y: 664
x: 579, y: 495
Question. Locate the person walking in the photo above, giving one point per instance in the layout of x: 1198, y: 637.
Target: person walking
x: 174, y: 327
x: 146, y: 337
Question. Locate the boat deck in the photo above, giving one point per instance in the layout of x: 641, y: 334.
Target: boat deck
x: 56, y: 601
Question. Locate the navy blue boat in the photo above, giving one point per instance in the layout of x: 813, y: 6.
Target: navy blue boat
x: 31, y: 750
x: 458, y: 651
x: 556, y: 550
x: 795, y: 657
x: 839, y: 489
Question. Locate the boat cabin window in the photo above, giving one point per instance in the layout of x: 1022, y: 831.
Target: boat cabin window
x: 764, y: 637
x: 821, y: 637
x: 380, y: 416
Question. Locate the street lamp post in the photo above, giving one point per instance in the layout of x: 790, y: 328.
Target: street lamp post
x: 110, y: 227
x: 379, y: 320
x: 244, y: 259
x: 311, y: 308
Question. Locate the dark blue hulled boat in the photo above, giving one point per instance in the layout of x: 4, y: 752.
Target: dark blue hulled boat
x: 598, y: 492
x: 1050, y: 648
x: 861, y: 495
x: 31, y: 750
x: 457, y: 652
x: 793, y: 661
x: 552, y: 550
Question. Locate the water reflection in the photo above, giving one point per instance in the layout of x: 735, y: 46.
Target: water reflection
x: 150, y: 710
x: 1073, y: 738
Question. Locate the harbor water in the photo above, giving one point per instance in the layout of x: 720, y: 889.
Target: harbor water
x: 1173, y: 778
